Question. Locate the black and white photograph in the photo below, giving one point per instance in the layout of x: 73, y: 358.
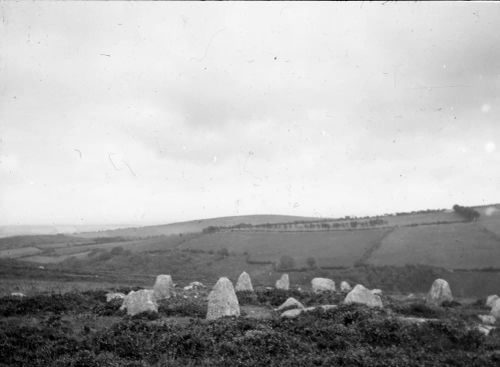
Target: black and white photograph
x: 289, y: 183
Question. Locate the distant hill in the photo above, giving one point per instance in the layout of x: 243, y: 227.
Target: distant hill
x: 30, y: 230
x: 194, y: 226
x: 440, y: 238
x: 371, y: 250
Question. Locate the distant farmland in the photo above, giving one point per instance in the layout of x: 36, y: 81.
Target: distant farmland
x: 452, y: 246
x: 331, y: 249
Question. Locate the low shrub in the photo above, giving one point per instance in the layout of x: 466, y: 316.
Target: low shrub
x: 247, y: 298
x: 419, y: 309
x: 55, y: 303
x: 180, y: 306
x: 111, y: 308
x: 146, y: 315
x: 349, y: 335
x: 451, y: 304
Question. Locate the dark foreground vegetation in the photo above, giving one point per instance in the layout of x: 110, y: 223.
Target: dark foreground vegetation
x: 81, y: 329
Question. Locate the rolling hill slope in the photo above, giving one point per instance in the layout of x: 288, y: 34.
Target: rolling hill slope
x: 450, y: 246
x: 440, y: 238
x: 193, y: 226
x: 329, y: 248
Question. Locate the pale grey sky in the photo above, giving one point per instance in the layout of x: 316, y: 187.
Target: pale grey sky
x: 157, y: 112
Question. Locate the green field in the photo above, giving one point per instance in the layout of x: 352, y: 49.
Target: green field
x: 329, y: 248
x: 451, y: 246
x: 490, y: 218
x: 41, y: 240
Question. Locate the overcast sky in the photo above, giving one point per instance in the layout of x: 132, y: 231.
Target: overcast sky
x: 159, y: 112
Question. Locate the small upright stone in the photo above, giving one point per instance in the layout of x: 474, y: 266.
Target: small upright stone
x: 495, y: 309
x: 222, y: 300
x: 244, y: 282
x: 364, y: 296
x: 164, y: 287
x: 283, y: 282
x: 140, y: 301
x: 491, y: 300
x: 322, y: 285
x: 377, y: 291
x: 345, y: 287
x: 439, y: 293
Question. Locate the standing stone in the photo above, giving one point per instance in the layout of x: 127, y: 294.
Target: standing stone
x: 322, y: 285
x: 439, y: 292
x: 364, y: 296
x: 244, y: 282
x: 491, y: 300
x: 140, y: 301
x: 495, y: 309
x: 164, y: 287
x: 222, y: 300
x: 345, y: 287
x: 283, y: 282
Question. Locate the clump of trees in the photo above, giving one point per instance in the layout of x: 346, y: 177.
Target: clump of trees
x: 466, y: 212
x: 311, y: 262
x: 286, y: 263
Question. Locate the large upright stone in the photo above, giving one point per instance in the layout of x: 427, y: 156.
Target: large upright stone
x: 139, y: 301
x: 345, y: 287
x: 244, y: 282
x: 322, y: 285
x: 491, y: 300
x: 283, y: 282
x: 439, y: 293
x: 364, y: 296
x: 164, y: 287
x: 222, y: 300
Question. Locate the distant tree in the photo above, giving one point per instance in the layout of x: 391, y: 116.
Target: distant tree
x: 311, y: 262
x: 118, y: 250
x: 466, y: 212
x: 210, y: 229
x: 286, y: 262
x: 223, y: 252
x: 103, y: 256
